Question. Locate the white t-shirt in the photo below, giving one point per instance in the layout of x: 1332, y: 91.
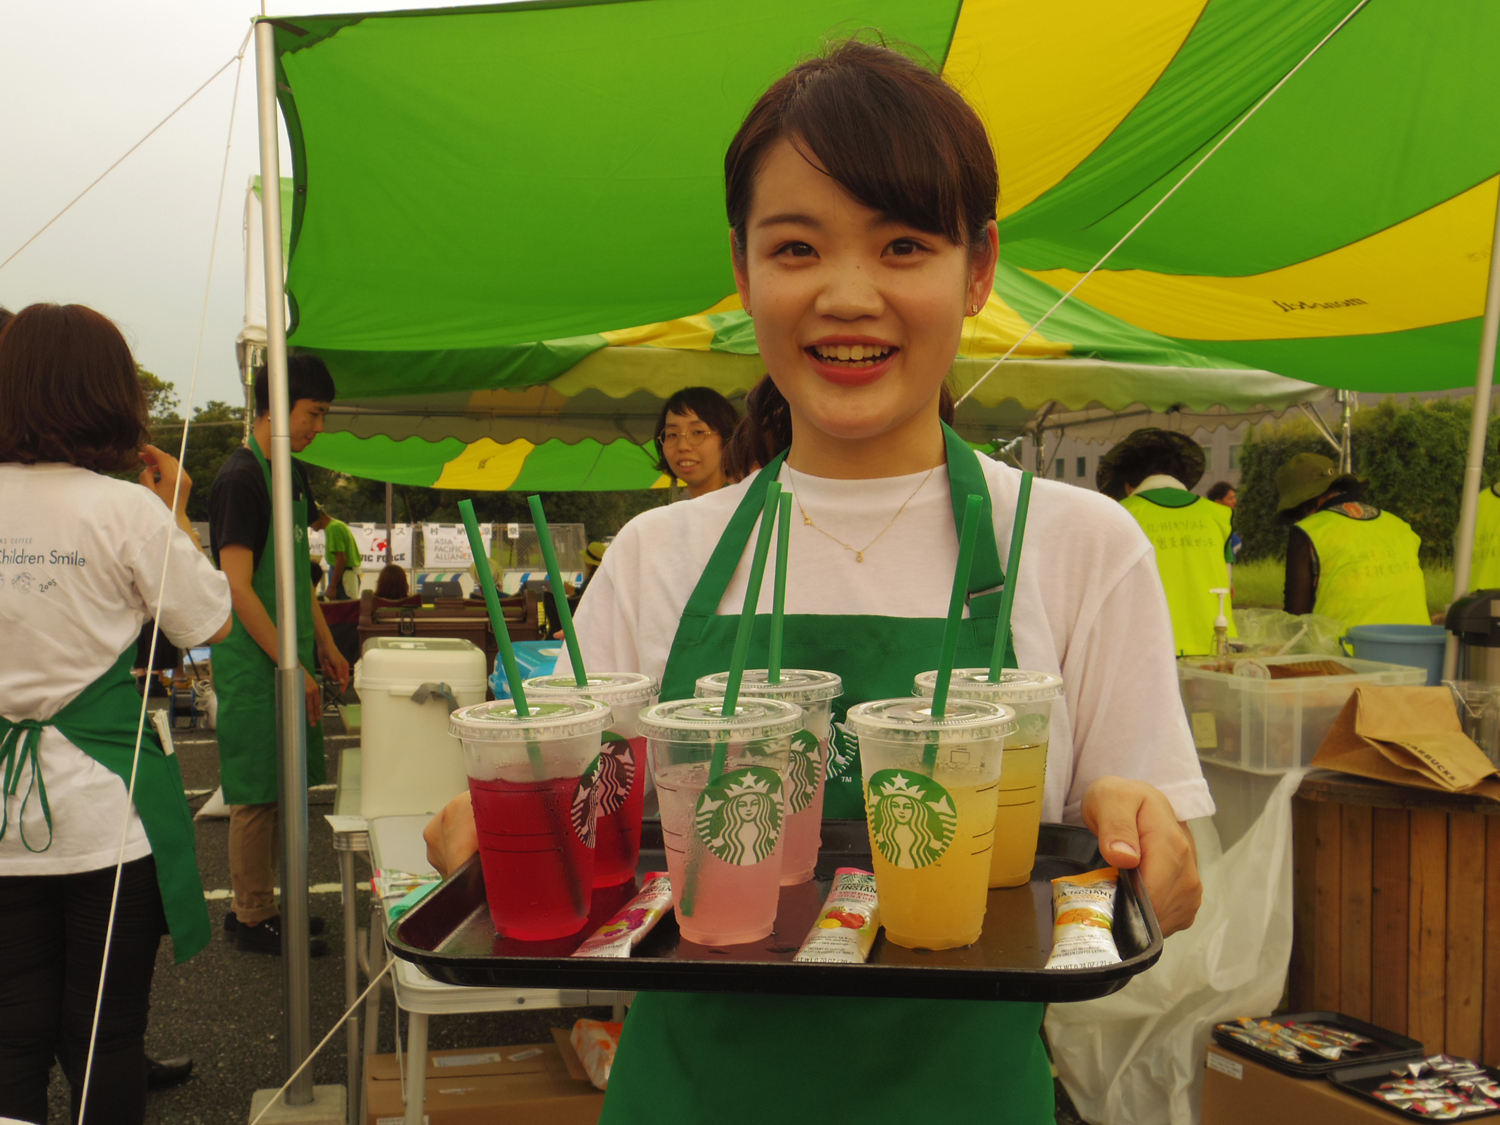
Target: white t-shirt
x: 81, y: 559
x: 1089, y: 606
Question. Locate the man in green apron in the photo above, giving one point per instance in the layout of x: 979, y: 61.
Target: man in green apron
x: 1151, y: 473
x: 244, y: 665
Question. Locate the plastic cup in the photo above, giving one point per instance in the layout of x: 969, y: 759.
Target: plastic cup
x: 931, y: 787
x: 807, y: 768
x: 1024, y: 775
x: 533, y: 782
x: 723, y: 841
x: 622, y: 764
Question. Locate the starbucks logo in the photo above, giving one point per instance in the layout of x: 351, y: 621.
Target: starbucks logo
x: 843, y: 754
x: 739, y: 819
x: 586, y: 803
x: 616, y: 773
x: 1033, y: 727
x: 802, y: 771
x: 912, y: 818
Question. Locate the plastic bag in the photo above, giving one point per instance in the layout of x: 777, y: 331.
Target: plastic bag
x: 1274, y: 632
x: 1137, y: 1057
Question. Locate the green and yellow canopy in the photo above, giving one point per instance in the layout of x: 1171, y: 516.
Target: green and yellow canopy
x: 508, y: 221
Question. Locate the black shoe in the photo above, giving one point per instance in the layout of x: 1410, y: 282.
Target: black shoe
x: 315, y: 925
x: 161, y: 1073
x: 266, y: 938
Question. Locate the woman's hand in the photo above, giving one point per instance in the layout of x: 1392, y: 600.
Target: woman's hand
x: 335, y: 667
x: 451, y: 836
x: 160, y: 476
x: 1136, y: 827
x: 313, y: 696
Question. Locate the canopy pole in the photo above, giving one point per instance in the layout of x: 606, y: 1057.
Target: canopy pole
x: 389, y: 521
x: 290, y: 699
x: 1346, y: 435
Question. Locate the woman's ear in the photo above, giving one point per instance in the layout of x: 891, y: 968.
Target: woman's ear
x: 982, y: 264
x: 741, y: 276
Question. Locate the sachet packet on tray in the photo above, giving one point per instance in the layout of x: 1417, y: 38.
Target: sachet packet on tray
x: 596, y: 1041
x: 1290, y: 1041
x: 632, y: 922
x: 1442, y: 1087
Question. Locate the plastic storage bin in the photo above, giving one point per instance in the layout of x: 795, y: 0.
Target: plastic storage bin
x: 411, y: 764
x: 1270, y: 726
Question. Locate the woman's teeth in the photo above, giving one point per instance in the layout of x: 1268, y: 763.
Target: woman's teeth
x: 854, y: 355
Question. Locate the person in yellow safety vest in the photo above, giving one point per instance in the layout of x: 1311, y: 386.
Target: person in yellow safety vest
x: 1346, y: 559
x: 1152, y: 473
x: 1484, y: 572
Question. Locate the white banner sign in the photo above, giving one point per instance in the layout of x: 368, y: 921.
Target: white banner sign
x: 446, y: 546
x: 317, y: 545
x: 371, y: 540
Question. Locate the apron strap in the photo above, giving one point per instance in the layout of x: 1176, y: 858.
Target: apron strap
x: 19, y: 747
x: 731, y: 546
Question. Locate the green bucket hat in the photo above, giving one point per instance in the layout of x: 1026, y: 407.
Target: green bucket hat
x: 1159, y: 451
x: 1309, y: 475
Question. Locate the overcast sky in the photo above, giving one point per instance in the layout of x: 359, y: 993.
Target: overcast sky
x: 80, y: 82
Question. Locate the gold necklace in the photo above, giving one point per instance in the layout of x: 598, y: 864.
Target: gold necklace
x: 859, y: 552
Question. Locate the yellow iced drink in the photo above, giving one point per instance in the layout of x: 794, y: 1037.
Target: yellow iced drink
x: 931, y: 788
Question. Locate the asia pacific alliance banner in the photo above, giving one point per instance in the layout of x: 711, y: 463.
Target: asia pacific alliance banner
x: 446, y: 546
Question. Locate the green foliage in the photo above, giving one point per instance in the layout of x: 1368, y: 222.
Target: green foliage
x: 1413, y: 455
x: 1260, y: 583
x: 161, y: 396
x: 218, y: 429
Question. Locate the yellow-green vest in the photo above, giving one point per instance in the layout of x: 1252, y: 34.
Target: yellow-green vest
x: 1189, y: 535
x: 1485, y: 566
x: 1368, y: 572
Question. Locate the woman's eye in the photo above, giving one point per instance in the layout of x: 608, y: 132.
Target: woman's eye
x: 796, y: 250
x: 904, y: 247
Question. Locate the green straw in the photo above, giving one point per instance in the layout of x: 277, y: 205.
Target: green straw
x: 778, y: 604
x: 1012, y: 573
x: 967, y: 537
x: 554, y: 572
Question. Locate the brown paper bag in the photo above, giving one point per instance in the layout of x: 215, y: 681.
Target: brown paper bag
x: 1408, y: 736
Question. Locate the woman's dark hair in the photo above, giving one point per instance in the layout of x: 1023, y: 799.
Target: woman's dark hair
x: 69, y: 391
x: 391, y: 583
x: 1220, y: 490
x: 713, y: 409
x: 892, y: 134
x: 306, y: 377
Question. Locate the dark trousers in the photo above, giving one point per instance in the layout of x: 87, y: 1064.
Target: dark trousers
x: 51, y: 945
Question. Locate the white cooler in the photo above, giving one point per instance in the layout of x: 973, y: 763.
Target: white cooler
x: 411, y: 764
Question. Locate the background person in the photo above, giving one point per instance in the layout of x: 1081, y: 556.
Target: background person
x: 341, y: 553
x: 81, y: 563
x: 244, y: 665
x: 694, y: 427
x: 1223, y: 492
x: 1484, y: 567
x: 391, y: 583
x: 1151, y: 473
x: 1346, y: 559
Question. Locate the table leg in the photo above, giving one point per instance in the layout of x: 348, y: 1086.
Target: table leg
x: 354, y: 1040
x: 376, y: 962
x: 416, y: 1067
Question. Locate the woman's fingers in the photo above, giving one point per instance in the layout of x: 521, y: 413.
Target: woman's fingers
x: 1137, y: 827
x: 451, y: 836
x: 160, y: 476
x: 1111, y: 810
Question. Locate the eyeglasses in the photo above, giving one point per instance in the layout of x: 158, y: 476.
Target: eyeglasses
x: 690, y: 438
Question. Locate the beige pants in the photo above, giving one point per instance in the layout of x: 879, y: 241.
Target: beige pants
x: 254, y: 861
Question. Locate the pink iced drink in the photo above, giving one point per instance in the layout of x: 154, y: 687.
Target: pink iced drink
x: 622, y: 792
x: 731, y: 904
x: 804, y: 829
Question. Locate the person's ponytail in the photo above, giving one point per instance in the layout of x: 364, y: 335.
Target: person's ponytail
x: 766, y: 428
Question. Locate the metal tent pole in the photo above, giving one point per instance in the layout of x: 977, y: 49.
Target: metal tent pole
x: 389, y: 522
x: 1346, y: 431
x: 290, y: 699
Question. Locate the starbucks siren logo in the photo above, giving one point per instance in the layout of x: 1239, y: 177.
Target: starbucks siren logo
x: 912, y: 818
x: 616, y: 773
x: 739, y: 819
x: 1033, y: 727
x: 843, y: 754
x: 586, y: 803
x: 802, y: 771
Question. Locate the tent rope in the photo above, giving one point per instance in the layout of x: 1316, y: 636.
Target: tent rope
x: 166, y: 561
x: 239, y: 58
x: 1251, y: 112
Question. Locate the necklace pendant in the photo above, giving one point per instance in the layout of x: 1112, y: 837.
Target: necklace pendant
x: 859, y: 556
x: 807, y: 519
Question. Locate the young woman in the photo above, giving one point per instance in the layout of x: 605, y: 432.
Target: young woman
x: 695, y: 425
x: 861, y: 198
x: 81, y: 566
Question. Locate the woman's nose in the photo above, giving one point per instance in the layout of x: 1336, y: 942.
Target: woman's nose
x: 850, y: 293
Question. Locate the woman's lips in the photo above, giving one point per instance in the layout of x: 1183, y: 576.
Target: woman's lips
x: 843, y: 375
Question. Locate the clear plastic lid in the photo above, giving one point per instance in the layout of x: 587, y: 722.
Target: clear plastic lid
x: 798, y: 685
x: 611, y: 687
x: 1016, y: 685
x: 498, y: 720
x: 903, y: 720
x: 698, y: 720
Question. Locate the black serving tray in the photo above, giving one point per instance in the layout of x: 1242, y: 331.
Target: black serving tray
x: 1387, y: 1047
x: 450, y: 936
x: 1363, y: 1079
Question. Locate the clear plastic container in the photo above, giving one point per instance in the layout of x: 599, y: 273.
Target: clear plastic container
x: 807, y: 770
x: 533, y: 781
x: 1270, y: 725
x: 1023, y: 777
x: 622, y: 765
x: 723, y: 841
x: 931, y: 790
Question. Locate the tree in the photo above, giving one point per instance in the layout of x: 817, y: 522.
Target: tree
x: 161, y: 396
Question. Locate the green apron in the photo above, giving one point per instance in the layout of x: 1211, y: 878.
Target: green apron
x: 732, y: 1059
x: 245, y: 677
x: 102, y: 722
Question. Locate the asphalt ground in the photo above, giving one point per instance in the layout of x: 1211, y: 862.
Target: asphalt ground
x: 225, y: 1006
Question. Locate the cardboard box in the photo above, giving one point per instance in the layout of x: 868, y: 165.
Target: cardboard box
x: 1240, y: 1091
x: 526, y: 1084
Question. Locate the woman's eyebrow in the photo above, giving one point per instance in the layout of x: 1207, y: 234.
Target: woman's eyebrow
x: 795, y: 218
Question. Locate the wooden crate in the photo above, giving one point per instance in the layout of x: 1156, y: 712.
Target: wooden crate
x: 1397, y: 911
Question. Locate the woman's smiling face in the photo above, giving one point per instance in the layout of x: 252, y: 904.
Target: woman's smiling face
x: 857, y: 314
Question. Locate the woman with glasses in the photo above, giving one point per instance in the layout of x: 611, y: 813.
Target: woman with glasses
x: 694, y: 427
